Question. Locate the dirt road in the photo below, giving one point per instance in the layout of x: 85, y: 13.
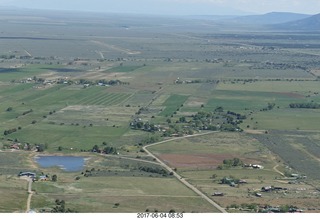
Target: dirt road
x: 182, y: 180
x: 30, y: 193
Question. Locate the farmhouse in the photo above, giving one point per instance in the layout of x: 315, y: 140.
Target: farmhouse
x: 28, y: 174
x: 15, y: 146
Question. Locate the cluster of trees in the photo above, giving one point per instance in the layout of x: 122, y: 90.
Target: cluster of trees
x: 254, y: 207
x: 235, y: 162
x: 38, y: 80
x: 105, y: 150
x: 41, y: 147
x: 204, y: 121
x: 269, y: 107
x: 227, y: 163
x: 177, y: 130
x: 229, y: 180
x: 110, y: 150
x: 229, y: 121
x: 187, y: 125
x: 237, y: 115
x: 60, y: 207
x: 229, y: 127
x: 153, y: 170
x: 281, y: 209
x: 9, y: 131
x: 145, y: 126
x: 150, y: 139
x: 280, y: 66
x: 7, y: 56
x: 305, y: 105
x: 54, y: 178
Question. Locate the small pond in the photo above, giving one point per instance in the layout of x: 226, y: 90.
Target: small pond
x: 67, y: 163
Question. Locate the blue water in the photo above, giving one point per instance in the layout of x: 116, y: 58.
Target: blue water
x: 67, y: 163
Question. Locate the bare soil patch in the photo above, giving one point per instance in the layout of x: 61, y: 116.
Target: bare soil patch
x: 209, y: 161
x: 96, y: 75
x: 254, y: 131
x: 290, y: 94
x: 50, y: 75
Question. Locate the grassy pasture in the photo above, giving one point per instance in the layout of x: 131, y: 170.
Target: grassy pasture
x: 251, y: 100
x: 183, y: 89
x: 13, y: 163
x: 134, y: 195
x: 67, y: 136
x: 295, y: 87
x: 285, y: 119
x: 13, y: 194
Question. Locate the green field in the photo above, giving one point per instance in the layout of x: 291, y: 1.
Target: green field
x: 13, y: 193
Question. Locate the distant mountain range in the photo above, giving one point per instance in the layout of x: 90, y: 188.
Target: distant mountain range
x: 269, y: 18
x: 312, y: 23
x: 273, y: 21
x: 277, y: 21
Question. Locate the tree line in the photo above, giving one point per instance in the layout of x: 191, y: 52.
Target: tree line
x: 305, y: 105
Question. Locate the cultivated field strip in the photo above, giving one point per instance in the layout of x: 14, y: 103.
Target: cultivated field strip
x: 310, y: 146
x: 95, y: 96
x: 108, y: 99
x: 295, y: 158
x: 34, y: 94
x: 173, y: 103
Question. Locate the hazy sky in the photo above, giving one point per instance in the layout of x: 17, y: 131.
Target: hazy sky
x: 179, y: 7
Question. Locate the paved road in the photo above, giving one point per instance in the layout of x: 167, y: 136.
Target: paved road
x: 182, y: 180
